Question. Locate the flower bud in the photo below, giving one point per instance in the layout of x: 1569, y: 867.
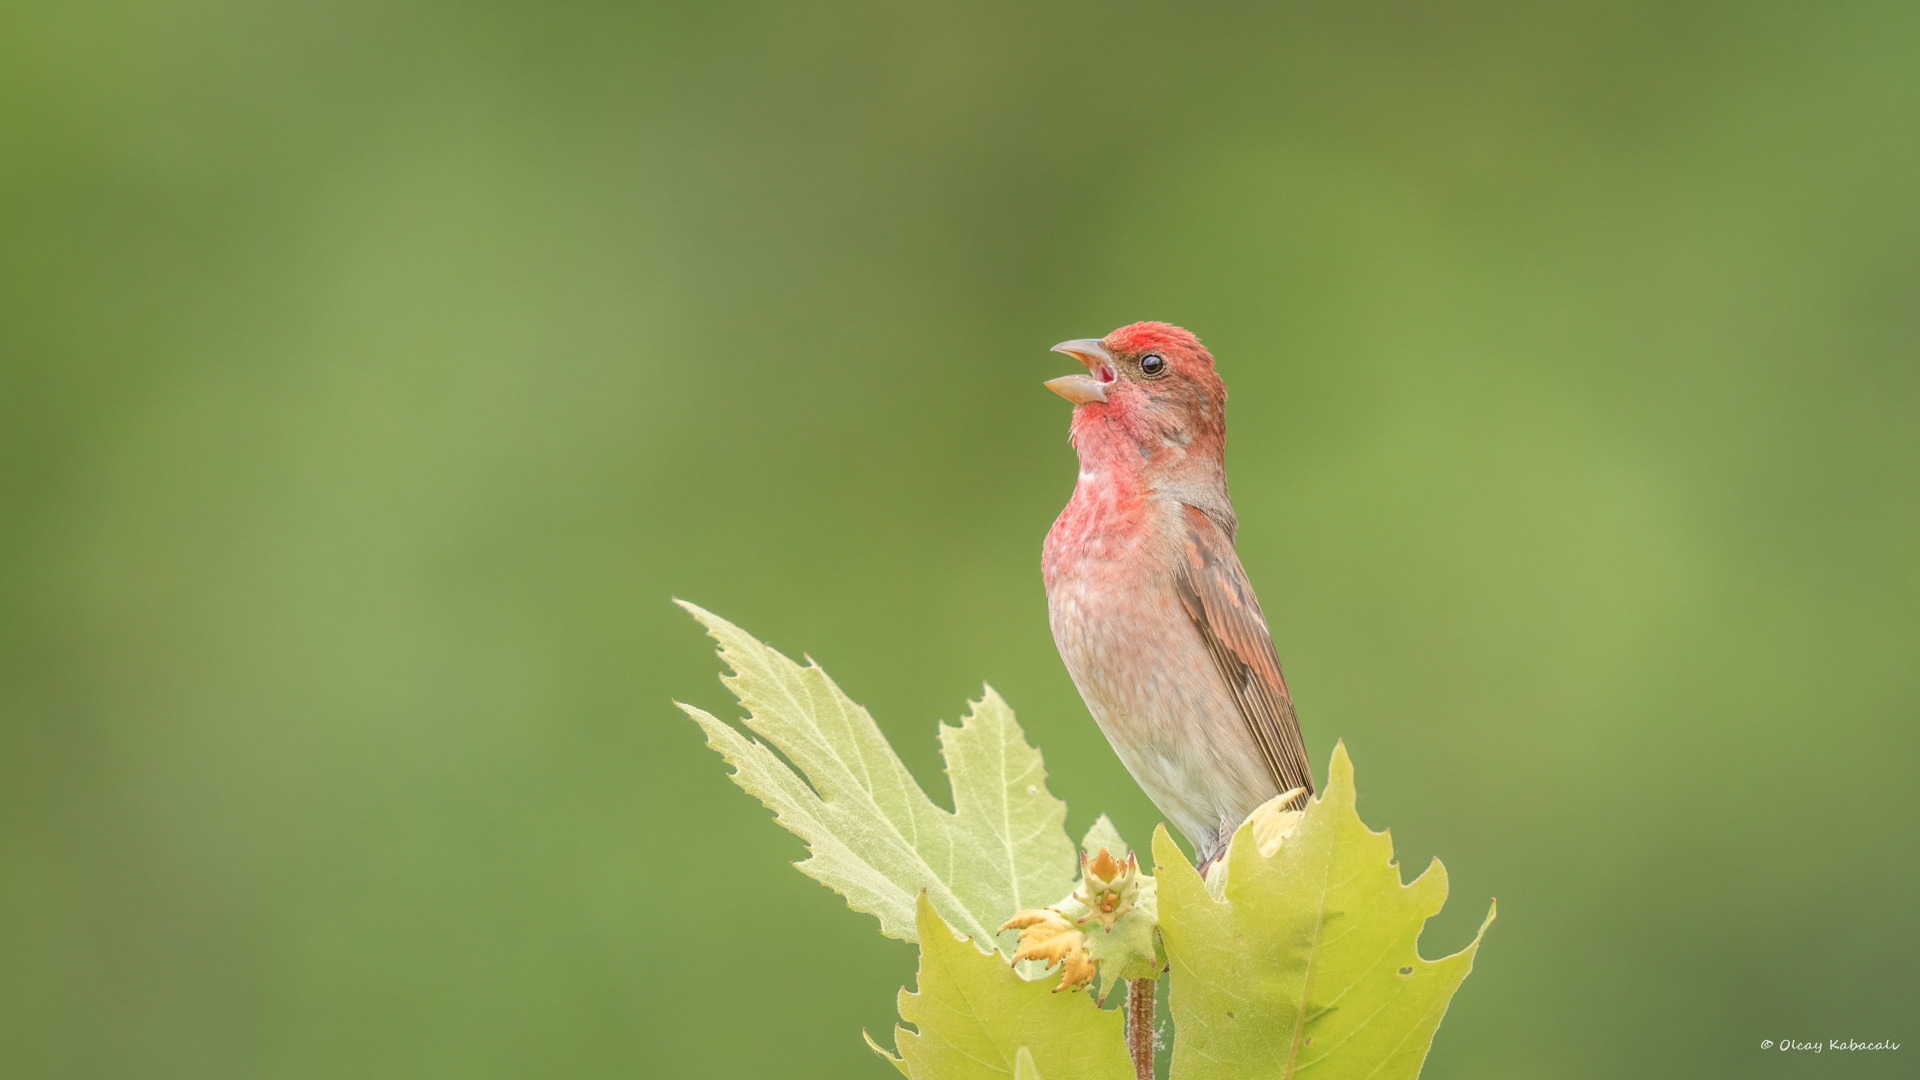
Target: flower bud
x: 1108, y: 886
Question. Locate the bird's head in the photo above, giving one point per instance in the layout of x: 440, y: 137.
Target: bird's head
x: 1152, y: 384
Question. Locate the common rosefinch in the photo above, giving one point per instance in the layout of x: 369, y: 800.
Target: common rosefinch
x: 1150, y: 607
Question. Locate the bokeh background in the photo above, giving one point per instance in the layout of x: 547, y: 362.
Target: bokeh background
x: 371, y: 375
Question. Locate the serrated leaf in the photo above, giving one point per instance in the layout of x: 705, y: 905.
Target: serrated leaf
x: 1310, y: 966
x: 975, y: 1017
x: 892, y: 1059
x: 872, y: 834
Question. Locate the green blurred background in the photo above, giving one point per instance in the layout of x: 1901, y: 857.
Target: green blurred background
x: 371, y: 374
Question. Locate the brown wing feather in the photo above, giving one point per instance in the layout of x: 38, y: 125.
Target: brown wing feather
x: 1218, y: 596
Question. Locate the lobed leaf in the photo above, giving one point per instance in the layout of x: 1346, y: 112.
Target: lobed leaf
x: 977, y: 1020
x: 872, y: 835
x: 1309, y: 968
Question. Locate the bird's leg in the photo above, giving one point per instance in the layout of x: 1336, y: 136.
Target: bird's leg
x: 1140, y: 994
x: 1221, y: 839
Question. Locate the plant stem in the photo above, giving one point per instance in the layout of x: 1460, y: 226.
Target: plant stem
x: 1140, y: 1025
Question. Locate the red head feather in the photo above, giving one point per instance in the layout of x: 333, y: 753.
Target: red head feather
x: 1152, y: 432
x: 1155, y: 424
x: 1152, y: 336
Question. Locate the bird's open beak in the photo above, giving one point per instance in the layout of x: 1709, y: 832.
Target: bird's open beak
x: 1091, y: 387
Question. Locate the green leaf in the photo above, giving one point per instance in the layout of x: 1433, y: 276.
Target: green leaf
x: 873, y: 835
x: 976, y: 1018
x: 1023, y: 1067
x: 892, y: 1059
x: 1104, y: 835
x: 1310, y: 967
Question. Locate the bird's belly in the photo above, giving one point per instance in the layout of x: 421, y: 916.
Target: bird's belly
x: 1153, y: 688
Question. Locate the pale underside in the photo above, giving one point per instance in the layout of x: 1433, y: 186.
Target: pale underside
x: 1151, y: 684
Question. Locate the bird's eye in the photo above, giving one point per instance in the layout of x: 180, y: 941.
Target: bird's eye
x: 1152, y: 364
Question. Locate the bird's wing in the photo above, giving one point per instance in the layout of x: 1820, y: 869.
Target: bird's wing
x: 1214, y: 587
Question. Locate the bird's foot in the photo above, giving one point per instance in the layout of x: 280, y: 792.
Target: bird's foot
x: 1207, y: 863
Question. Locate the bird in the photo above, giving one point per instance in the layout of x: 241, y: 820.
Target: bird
x: 1151, y: 610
